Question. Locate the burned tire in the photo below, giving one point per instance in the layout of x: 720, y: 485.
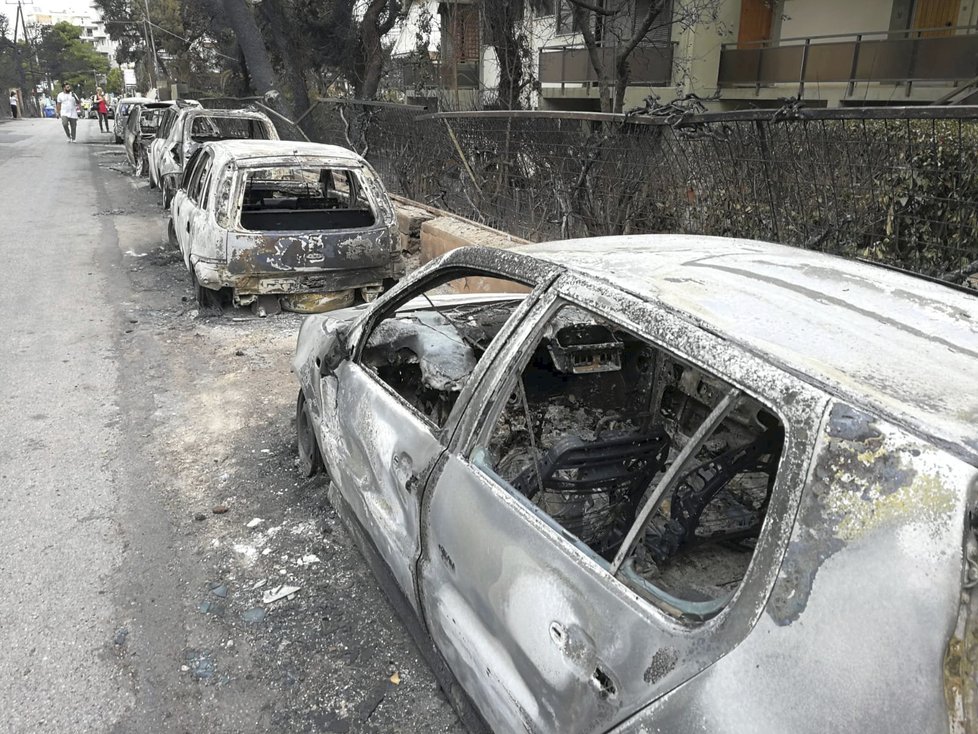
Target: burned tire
x: 207, y: 299
x: 171, y: 235
x: 310, y: 458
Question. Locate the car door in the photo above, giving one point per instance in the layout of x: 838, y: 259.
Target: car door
x: 544, y: 633
x: 184, y: 202
x: 380, y: 440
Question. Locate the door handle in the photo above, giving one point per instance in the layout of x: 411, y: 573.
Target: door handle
x: 188, y: 226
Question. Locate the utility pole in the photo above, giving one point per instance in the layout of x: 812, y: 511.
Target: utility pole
x: 152, y: 44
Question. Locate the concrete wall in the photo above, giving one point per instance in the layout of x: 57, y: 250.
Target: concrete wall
x: 444, y: 233
x: 803, y: 18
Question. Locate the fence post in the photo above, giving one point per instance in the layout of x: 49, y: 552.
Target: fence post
x: 855, y: 65
x: 766, y: 164
x: 804, y: 67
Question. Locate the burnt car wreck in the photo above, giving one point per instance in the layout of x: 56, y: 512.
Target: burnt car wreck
x: 617, y: 502
x: 270, y: 223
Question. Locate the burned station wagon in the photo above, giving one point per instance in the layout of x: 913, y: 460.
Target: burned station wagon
x: 267, y: 221
x: 665, y: 484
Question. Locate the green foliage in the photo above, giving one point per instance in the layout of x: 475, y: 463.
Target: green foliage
x: 66, y: 58
x: 114, y: 81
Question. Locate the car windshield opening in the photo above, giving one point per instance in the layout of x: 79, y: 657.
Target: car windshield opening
x: 593, y: 423
x: 426, y: 351
x: 308, y: 198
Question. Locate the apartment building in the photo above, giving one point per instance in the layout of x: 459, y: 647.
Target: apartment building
x: 742, y: 52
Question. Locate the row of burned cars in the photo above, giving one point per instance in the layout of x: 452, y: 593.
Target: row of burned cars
x: 261, y: 221
x: 622, y: 484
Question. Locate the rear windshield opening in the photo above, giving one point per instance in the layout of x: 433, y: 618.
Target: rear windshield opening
x: 289, y: 199
x: 204, y: 129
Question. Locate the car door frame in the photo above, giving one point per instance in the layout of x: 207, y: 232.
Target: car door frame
x: 401, y: 557
x: 183, y: 205
x: 505, y: 695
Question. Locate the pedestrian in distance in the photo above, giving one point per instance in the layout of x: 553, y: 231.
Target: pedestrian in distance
x: 67, y: 107
x: 13, y: 104
x: 102, y: 107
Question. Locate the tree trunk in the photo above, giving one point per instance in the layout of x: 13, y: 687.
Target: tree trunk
x: 259, y: 66
x: 274, y: 14
x: 582, y: 17
x: 371, y: 50
x: 502, y: 21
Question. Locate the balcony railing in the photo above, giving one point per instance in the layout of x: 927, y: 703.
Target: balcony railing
x: 434, y: 74
x: 648, y: 65
x: 884, y: 56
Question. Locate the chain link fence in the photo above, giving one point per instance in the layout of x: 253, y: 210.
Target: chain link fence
x: 893, y: 185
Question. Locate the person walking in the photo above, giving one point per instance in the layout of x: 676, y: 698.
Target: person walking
x: 102, y: 108
x: 13, y: 104
x: 66, y: 108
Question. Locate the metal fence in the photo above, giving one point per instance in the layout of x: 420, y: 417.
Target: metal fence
x: 894, y: 185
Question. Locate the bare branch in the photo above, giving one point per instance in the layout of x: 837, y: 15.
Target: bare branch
x: 592, y: 8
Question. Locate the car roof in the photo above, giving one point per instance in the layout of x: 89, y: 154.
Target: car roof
x: 246, y: 151
x: 903, y: 345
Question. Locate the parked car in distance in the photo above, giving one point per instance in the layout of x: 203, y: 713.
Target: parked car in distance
x: 677, y: 484
x: 194, y: 127
x: 273, y: 223
x: 124, y: 106
x: 155, y: 148
x: 141, y: 126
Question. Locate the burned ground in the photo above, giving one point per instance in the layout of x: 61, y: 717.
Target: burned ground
x: 207, y: 406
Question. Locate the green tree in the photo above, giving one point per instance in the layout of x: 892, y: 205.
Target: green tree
x: 114, y: 81
x: 66, y: 58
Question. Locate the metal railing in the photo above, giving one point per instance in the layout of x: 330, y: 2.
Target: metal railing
x: 898, y: 57
x: 648, y: 64
x: 435, y: 74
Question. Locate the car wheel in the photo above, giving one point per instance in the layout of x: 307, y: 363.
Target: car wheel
x: 140, y: 167
x: 152, y: 181
x: 118, y: 139
x: 167, y: 196
x: 171, y: 235
x: 310, y: 458
x: 206, y: 298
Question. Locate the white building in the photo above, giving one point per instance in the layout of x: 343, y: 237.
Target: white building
x: 82, y: 14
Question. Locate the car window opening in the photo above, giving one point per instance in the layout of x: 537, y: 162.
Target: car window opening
x: 316, y: 198
x: 206, y: 128
x: 597, y: 418
x: 427, y: 351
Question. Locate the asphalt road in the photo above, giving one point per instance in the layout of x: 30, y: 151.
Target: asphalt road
x: 149, y: 492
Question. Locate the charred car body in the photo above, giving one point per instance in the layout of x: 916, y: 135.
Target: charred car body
x: 310, y: 223
x: 122, y: 108
x: 195, y: 126
x: 154, y: 150
x: 140, y: 130
x: 680, y: 484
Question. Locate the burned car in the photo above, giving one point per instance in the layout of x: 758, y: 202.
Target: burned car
x: 676, y: 484
x: 154, y: 150
x: 123, y: 106
x: 139, y: 131
x: 195, y: 126
x: 276, y: 223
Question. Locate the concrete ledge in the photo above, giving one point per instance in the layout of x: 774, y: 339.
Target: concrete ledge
x: 409, y: 221
x: 442, y: 234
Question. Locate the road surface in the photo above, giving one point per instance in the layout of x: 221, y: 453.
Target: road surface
x: 150, y: 497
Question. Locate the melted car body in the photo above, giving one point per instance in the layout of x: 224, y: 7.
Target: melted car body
x: 679, y: 484
x: 194, y: 126
x: 283, y: 218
